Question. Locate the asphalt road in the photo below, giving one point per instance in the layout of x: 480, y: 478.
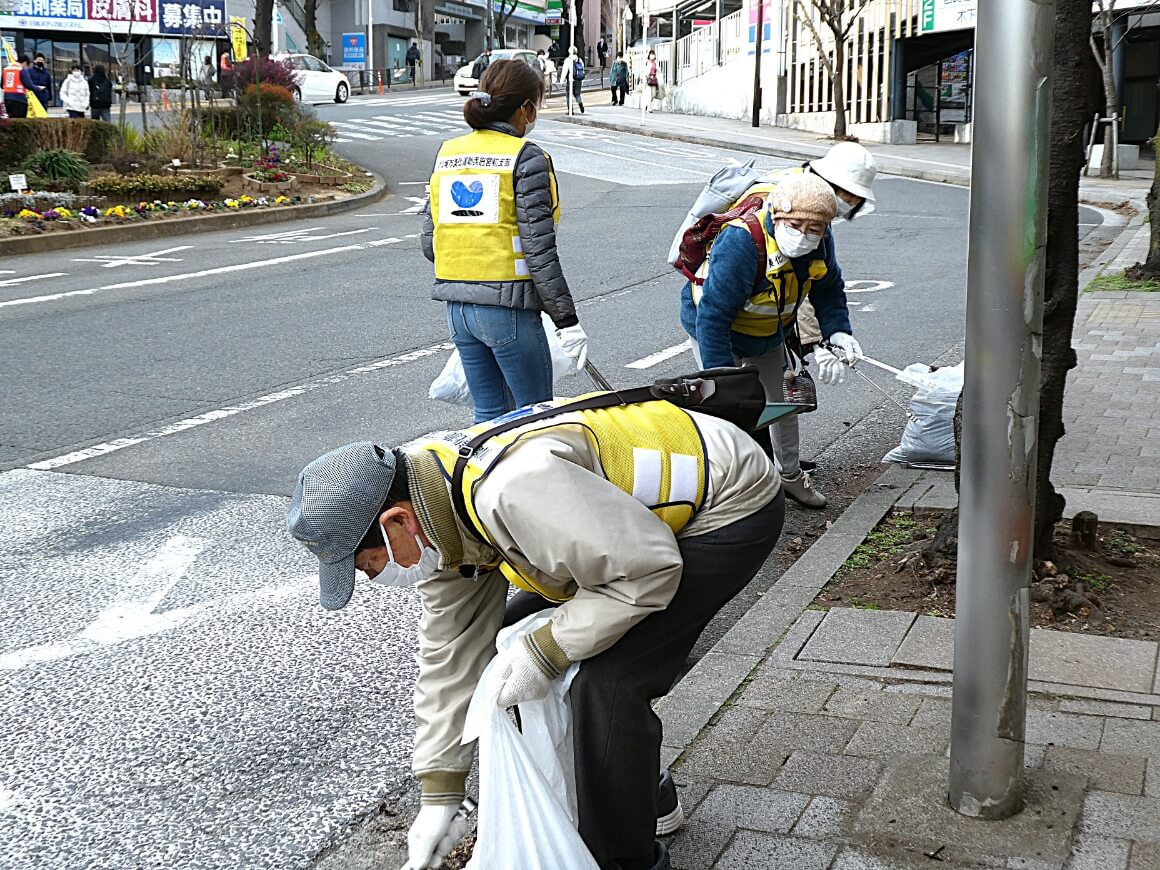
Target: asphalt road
x: 173, y: 694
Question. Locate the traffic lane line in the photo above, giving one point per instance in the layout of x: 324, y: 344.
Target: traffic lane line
x: 206, y: 273
x: 207, y: 417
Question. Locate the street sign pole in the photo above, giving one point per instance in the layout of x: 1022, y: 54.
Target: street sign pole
x: 1005, y: 270
x: 757, y: 62
x: 370, y: 59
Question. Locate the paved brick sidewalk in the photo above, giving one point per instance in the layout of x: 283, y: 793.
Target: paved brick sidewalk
x: 834, y: 755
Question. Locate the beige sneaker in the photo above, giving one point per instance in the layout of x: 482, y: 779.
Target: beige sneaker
x: 801, y: 489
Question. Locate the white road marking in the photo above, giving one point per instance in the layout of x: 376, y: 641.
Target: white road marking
x: 291, y: 237
x: 12, y: 282
x: 232, y: 410
x: 417, y: 205
x: 112, y: 261
x: 135, y: 617
x: 868, y: 309
x: 619, y: 157
x: 660, y: 356
x: 871, y: 286
x: 185, y: 276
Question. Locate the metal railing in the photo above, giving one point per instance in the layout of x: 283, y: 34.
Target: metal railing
x: 696, y: 53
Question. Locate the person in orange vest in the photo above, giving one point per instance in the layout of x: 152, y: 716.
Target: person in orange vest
x: 16, y: 84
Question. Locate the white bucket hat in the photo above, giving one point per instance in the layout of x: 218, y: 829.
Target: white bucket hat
x: 851, y: 167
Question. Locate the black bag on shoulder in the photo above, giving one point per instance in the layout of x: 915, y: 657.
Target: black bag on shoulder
x: 732, y: 393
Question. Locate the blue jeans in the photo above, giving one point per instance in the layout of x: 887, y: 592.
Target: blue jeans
x: 505, y: 356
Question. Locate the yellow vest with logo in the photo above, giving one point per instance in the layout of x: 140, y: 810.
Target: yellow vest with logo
x: 652, y: 450
x: 780, y: 291
x: 473, y: 207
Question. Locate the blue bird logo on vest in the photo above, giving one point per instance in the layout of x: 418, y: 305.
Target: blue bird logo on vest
x: 467, y: 196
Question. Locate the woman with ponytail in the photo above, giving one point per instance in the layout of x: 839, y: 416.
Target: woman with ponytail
x: 490, y: 230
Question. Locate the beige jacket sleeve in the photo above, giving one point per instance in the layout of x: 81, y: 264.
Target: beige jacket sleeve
x: 548, y: 509
x: 457, y: 629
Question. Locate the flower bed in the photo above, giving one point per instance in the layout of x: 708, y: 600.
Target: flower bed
x: 276, y: 182
x: 27, y: 220
x: 331, y: 177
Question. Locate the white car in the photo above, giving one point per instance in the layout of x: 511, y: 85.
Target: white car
x: 465, y: 83
x: 317, y: 83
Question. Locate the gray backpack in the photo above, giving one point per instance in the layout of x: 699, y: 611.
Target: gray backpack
x: 716, y: 197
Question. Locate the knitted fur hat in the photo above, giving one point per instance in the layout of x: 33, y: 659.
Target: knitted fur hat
x: 805, y: 197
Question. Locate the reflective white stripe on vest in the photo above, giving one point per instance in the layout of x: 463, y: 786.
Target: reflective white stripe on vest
x: 517, y: 244
x: 754, y: 308
x: 684, y: 484
x: 522, y: 268
x: 476, y: 161
x: 683, y: 478
x: 646, y: 476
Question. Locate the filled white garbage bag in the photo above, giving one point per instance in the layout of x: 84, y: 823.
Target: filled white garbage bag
x: 929, y: 435
x: 451, y: 383
x: 527, y: 782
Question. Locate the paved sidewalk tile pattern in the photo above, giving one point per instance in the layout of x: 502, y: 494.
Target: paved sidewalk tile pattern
x: 808, y: 768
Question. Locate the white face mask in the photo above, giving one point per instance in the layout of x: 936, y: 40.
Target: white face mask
x: 844, y: 209
x: 394, y: 574
x: 794, y: 243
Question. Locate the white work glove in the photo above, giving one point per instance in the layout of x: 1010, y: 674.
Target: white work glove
x: 522, y: 679
x: 434, y: 833
x: 831, y: 370
x: 575, y: 343
x: 851, y: 351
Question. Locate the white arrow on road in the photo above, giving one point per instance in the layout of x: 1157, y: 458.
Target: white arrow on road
x: 137, y: 617
x: 112, y: 261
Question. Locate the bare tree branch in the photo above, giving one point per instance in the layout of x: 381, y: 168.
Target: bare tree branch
x: 854, y: 17
x: 1096, y: 53
x: 799, y: 7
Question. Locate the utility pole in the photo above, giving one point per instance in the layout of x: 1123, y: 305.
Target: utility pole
x: 490, y: 39
x: 1005, y: 272
x: 757, y: 63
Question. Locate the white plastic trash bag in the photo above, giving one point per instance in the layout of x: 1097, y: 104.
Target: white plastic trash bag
x: 527, y: 784
x: 929, y: 435
x: 451, y: 384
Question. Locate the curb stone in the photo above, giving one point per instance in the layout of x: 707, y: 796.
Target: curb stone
x: 696, y: 699
x: 63, y: 241
x: 1127, y: 232
x: 960, y: 179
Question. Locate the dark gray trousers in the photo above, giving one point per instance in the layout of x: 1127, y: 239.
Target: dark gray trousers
x: 616, y: 735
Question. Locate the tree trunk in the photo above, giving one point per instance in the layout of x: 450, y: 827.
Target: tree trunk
x: 1150, y: 268
x: 1061, y: 284
x: 314, y: 43
x: 839, y: 79
x: 1110, y: 103
x: 263, y: 21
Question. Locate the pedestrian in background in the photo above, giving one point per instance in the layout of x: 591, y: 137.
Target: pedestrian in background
x: 618, y: 78
x: 41, y: 81
x: 100, y: 94
x: 74, y: 93
x: 651, y: 77
x: 574, y: 76
x: 207, y: 78
x: 490, y: 230
x: 412, y: 60
x: 548, y: 70
x: 602, y: 52
x: 16, y: 87
x: 480, y: 66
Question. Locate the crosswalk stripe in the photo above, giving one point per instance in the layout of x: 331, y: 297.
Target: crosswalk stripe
x: 358, y: 135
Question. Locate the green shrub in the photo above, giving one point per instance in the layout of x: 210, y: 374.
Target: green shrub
x: 265, y: 107
x: 57, y: 164
x: 221, y: 122
x: 151, y: 186
x: 20, y: 138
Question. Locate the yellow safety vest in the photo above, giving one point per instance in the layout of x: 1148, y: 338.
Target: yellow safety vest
x: 780, y: 291
x: 652, y: 450
x: 473, y: 207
